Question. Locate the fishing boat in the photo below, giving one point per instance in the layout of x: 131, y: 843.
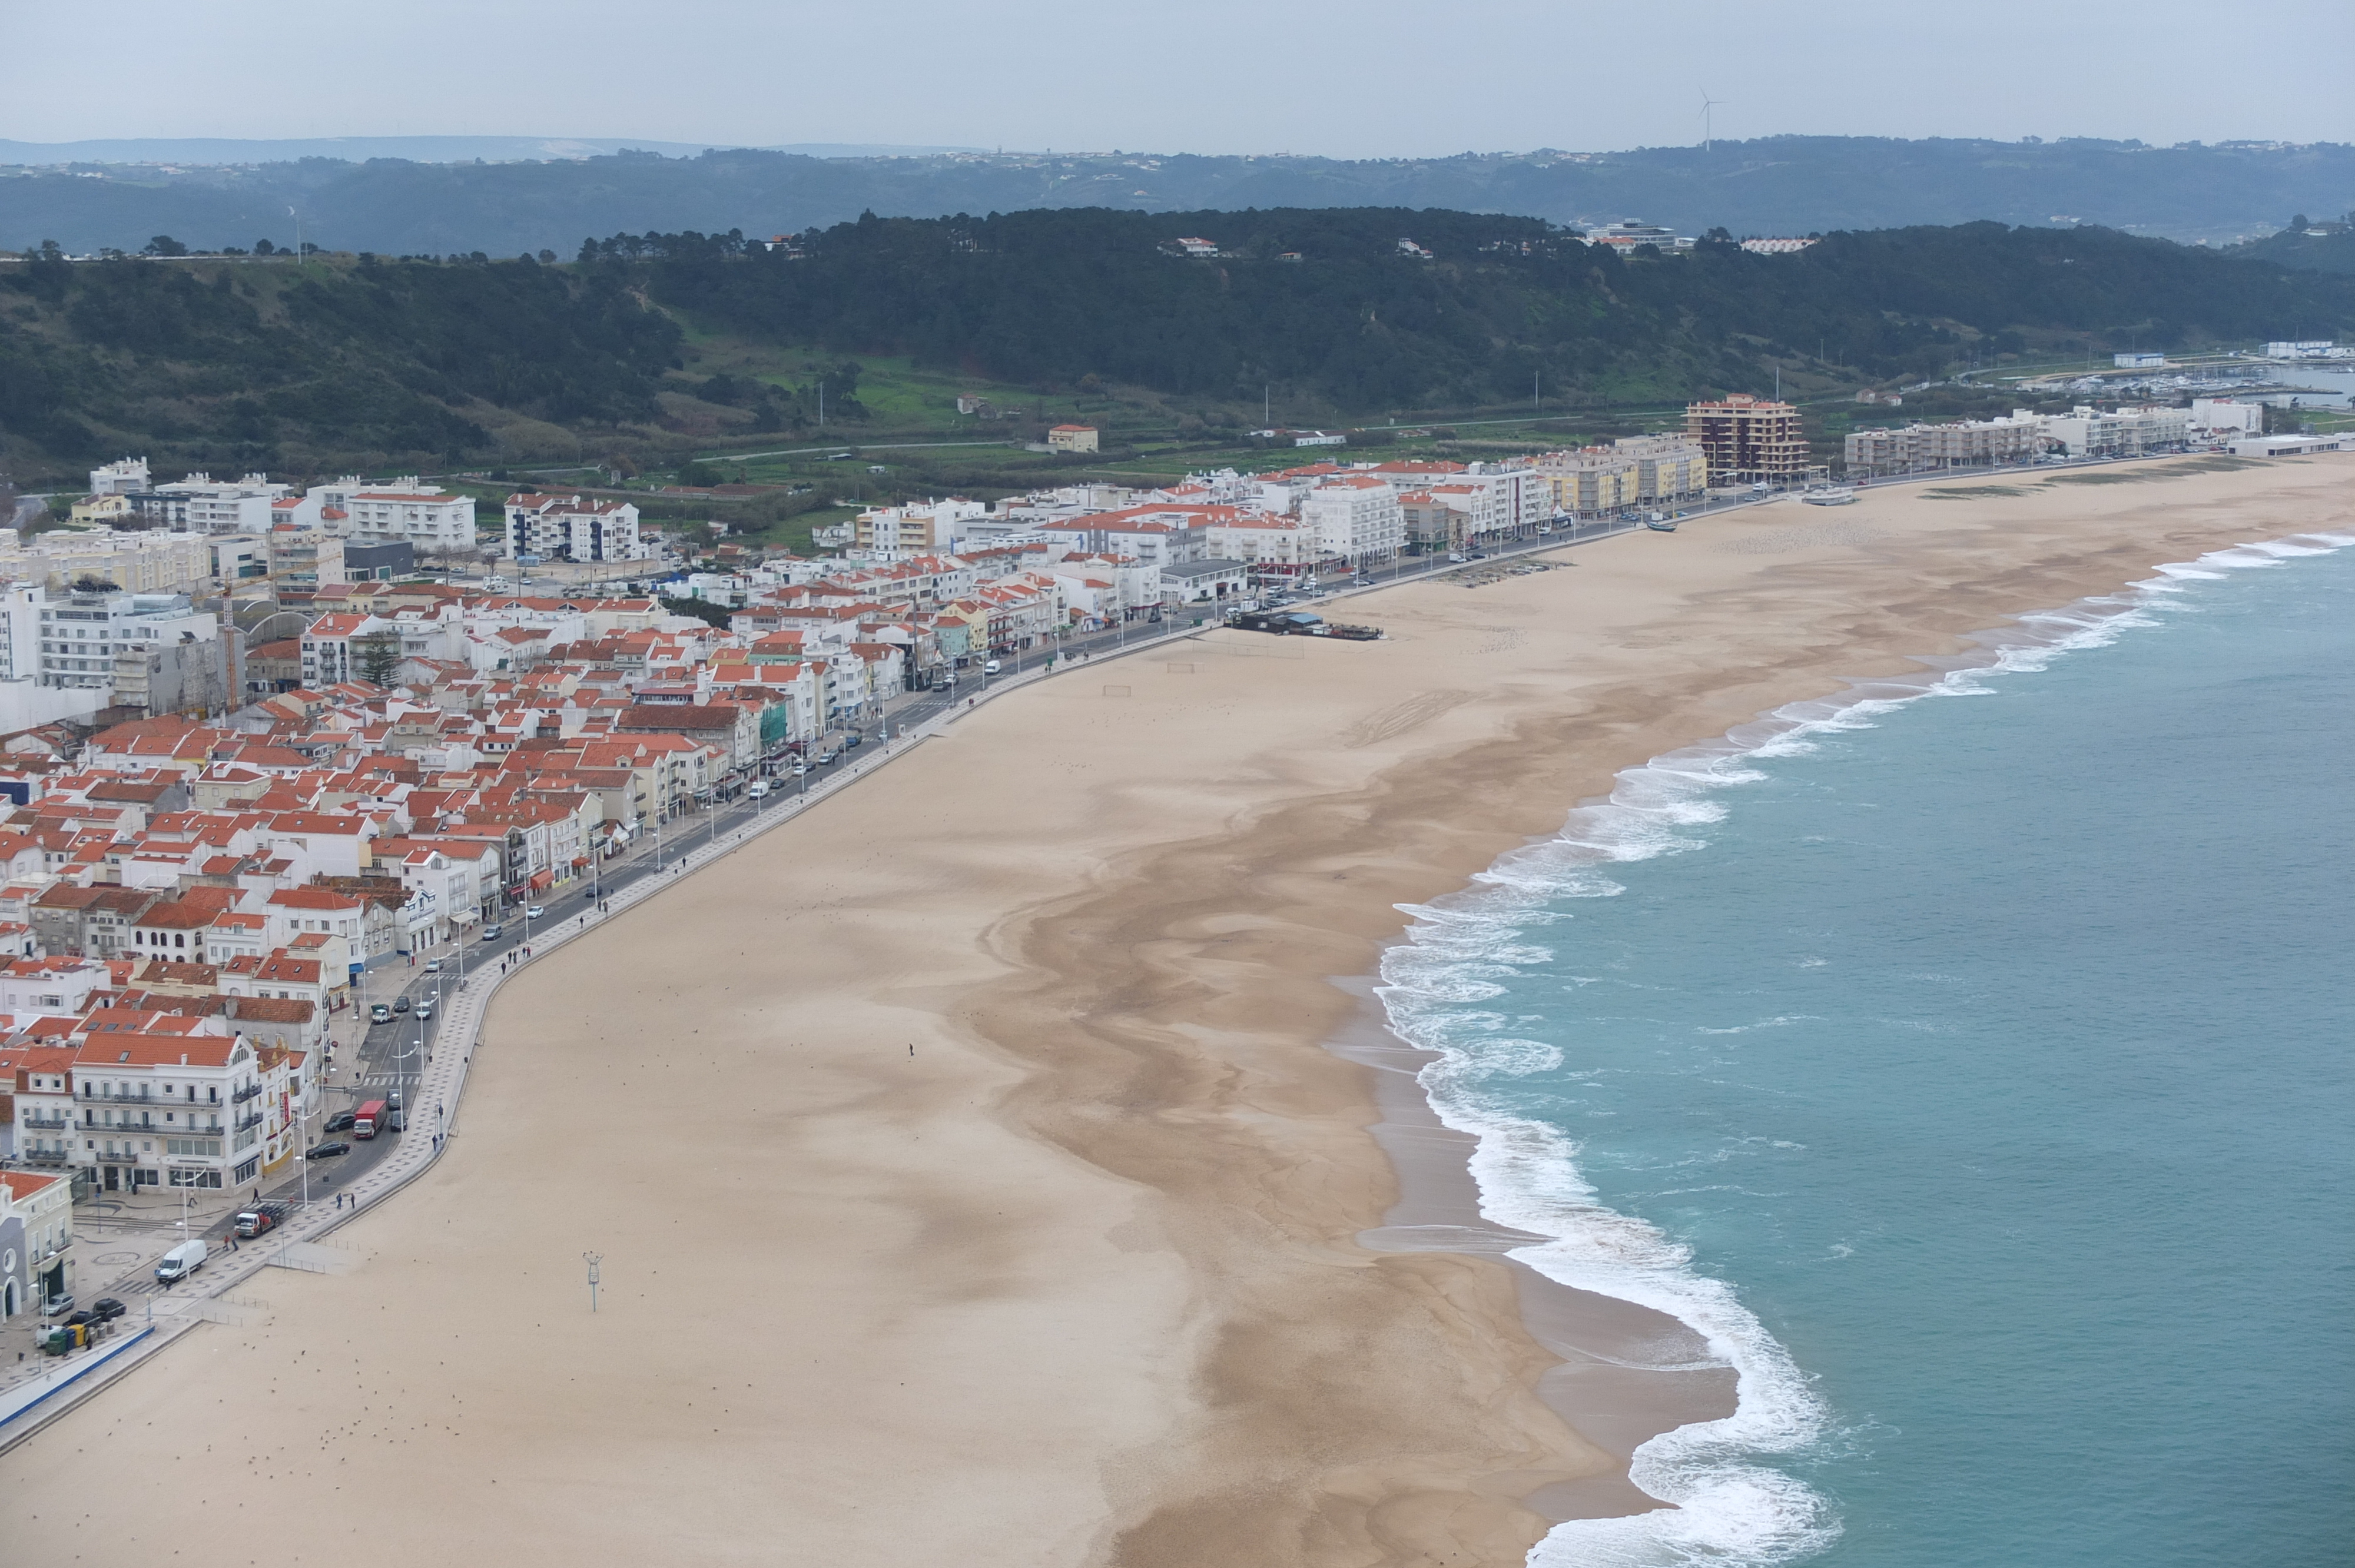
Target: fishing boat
x: 1659, y: 524
x: 1831, y: 495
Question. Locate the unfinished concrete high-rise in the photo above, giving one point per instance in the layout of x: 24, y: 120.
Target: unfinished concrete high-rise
x: 1749, y: 439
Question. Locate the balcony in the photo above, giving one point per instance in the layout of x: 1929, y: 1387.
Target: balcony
x: 250, y: 1121
x: 122, y: 1098
x: 45, y: 1157
x: 245, y: 1094
x: 45, y: 1123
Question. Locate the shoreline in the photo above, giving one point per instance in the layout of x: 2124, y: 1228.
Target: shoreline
x: 1121, y: 1314
x: 1631, y: 1372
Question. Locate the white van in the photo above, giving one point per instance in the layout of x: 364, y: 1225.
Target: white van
x: 180, y: 1262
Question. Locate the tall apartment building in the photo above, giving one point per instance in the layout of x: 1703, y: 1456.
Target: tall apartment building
x: 1356, y: 517
x: 1957, y: 444
x: 570, y: 528
x: 1749, y: 439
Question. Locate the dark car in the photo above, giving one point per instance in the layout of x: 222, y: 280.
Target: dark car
x: 327, y: 1150
x: 84, y: 1316
x: 107, y: 1308
x: 402, y: 1006
x: 341, y: 1121
x: 396, y: 1121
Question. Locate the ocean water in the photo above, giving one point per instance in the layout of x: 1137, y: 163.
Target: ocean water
x: 1974, y: 1067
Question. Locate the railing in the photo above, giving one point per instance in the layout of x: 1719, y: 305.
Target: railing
x: 124, y: 1098
x: 146, y: 1125
x: 245, y: 1122
x: 45, y: 1123
x: 245, y: 1094
x: 47, y: 1157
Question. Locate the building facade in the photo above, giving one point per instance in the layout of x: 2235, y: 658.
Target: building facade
x: 1748, y: 439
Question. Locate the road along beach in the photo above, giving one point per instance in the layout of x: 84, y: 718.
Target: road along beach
x: 971, y: 1175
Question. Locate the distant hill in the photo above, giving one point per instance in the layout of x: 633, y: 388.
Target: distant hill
x: 1787, y: 184
x: 671, y: 341
x: 2326, y: 247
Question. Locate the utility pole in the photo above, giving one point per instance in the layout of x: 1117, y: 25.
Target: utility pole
x: 592, y: 1259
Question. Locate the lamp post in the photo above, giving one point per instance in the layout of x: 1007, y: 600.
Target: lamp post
x: 592, y: 1259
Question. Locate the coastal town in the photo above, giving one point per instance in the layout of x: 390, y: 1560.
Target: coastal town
x: 275, y: 755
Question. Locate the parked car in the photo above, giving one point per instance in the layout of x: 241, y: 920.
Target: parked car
x: 342, y: 1121
x: 828, y: 755
x: 59, y: 1303
x: 432, y: 966
x: 379, y: 1013
x: 396, y: 1121
x: 84, y: 1316
x: 401, y: 1005
x: 535, y: 912
x: 327, y: 1150
x: 493, y: 932
x: 850, y: 740
x: 800, y: 768
x: 108, y: 1308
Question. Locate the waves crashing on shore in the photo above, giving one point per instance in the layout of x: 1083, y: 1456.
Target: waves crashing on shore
x: 1733, y: 1507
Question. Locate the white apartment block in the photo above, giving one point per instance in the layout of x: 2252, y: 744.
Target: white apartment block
x: 571, y: 528
x: 2130, y: 433
x: 1265, y: 540
x: 181, y: 1110
x: 2220, y: 416
x: 1356, y: 517
x: 210, y: 505
x: 125, y: 476
x: 142, y: 561
x: 1958, y: 443
x: 81, y: 633
x: 385, y: 510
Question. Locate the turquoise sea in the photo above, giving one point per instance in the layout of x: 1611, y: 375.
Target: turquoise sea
x: 1974, y: 1067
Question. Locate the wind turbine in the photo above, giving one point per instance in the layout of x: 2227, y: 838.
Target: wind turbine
x: 1707, y: 123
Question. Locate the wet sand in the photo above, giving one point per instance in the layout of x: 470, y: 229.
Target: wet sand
x: 974, y: 1180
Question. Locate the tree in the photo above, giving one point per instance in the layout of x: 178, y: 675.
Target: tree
x: 379, y: 657
x: 165, y: 245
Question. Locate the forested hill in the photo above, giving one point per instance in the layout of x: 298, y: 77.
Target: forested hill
x: 360, y: 363
x: 1330, y: 303
x: 1780, y: 185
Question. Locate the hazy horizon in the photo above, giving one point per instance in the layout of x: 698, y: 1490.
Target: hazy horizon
x: 1375, y: 80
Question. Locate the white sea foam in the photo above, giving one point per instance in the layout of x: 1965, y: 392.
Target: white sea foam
x: 1733, y: 1511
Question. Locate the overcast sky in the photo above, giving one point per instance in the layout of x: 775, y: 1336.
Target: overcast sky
x: 1364, y: 79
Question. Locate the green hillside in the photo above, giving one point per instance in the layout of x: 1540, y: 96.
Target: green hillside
x: 657, y: 346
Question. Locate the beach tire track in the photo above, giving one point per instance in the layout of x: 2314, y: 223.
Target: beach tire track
x: 1399, y: 718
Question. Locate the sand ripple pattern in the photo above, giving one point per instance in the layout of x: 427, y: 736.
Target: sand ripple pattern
x: 1783, y: 540
x: 1399, y: 718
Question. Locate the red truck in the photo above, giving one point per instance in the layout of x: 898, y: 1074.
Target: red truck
x: 367, y: 1119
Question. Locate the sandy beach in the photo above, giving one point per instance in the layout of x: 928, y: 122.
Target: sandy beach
x: 975, y: 1179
